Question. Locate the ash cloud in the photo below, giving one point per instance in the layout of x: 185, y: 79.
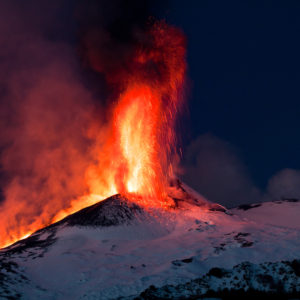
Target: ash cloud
x: 51, y: 97
x: 45, y: 110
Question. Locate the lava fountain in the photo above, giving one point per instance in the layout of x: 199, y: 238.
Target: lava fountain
x: 133, y: 155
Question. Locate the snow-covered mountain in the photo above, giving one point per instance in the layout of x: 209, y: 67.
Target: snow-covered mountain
x: 116, y: 248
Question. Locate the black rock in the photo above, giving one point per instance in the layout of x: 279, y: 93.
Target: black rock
x: 248, y: 206
x: 113, y: 211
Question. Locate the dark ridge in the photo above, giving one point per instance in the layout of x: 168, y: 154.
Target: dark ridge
x: 179, y: 263
x: 290, y: 199
x: 286, y: 200
x: 217, y: 207
x: 248, y: 206
x: 113, y: 211
x: 242, y: 287
x: 187, y: 260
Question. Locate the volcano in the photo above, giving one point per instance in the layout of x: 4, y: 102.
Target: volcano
x: 119, y: 249
x: 90, y: 151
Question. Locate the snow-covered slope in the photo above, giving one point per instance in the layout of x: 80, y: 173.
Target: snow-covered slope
x: 277, y: 280
x: 117, y: 249
x: 283, y: 213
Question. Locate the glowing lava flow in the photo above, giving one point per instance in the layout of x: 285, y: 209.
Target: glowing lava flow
x: 137, y: 155
x: 137, y: 122
x: 133, y: 155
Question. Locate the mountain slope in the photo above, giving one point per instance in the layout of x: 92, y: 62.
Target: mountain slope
x: 116, y: 248
x: 280, y: 280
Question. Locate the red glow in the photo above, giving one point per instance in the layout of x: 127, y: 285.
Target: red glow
x: 133, y: 154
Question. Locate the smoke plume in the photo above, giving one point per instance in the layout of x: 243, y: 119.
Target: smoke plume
x: 213, y: 167
x: 285, y: 184
x: 61, y: 65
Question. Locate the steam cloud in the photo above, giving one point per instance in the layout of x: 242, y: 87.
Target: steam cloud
x: 214, y: 168
x: 284, y: 184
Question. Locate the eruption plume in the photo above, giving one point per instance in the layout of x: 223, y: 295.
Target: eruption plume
x: 63, y: 151
x: 142, y: 136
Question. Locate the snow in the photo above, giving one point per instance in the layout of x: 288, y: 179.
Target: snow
x: 270, y: 278
x: 277, y: 213
x: 106, y: 262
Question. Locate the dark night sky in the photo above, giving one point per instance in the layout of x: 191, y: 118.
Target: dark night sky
x: 244, y: 67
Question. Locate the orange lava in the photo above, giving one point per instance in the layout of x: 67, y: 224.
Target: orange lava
x: 133, y: 154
